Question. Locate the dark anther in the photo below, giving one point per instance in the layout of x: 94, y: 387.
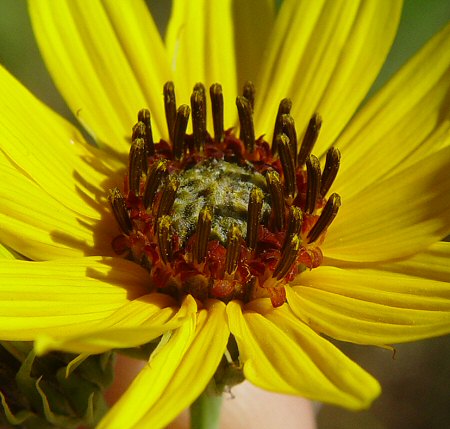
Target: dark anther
x: 233, y: 247
x: 119, y: 209
x: 288, y: 128
x: 156, y: 174
x: 288, y: 257
x: 145, y: 118
x: 313, y: 184
x: 217, y: 111
x: 169, y: 192
x: 164, y: 238
x: 330, y: 170
x: 138, y: 131
x: 203, y: 231
x: 254, y: 214
x: 329, y: 212
x: 170, y: 106
x: 276, y: 194
x: 283, y: 109
x: 287, y: 163
x: 249, y: 93
x: 179, y: 131
x: 310, y: 138
x: 198, y: 106
x: 294, y: 224
x: 246, y: 120
x: 137, y: 165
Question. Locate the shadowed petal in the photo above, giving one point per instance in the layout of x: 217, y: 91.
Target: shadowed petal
x: 7, y: 253
x: 135, y: 323
x: 64, y: 297
x: 200, y: 44
x: 40, y: 227
x: 50, y: 151
x: 433, y: 264
x: 282, y: 354
x: 176, y: 374
x: 253, y: 21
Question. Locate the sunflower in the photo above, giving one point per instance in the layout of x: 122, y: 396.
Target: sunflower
x: 227, y: 254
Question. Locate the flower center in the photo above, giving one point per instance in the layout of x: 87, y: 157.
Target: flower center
x: 224, y: 216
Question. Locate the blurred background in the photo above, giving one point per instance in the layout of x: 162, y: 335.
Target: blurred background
x: 416, y: 382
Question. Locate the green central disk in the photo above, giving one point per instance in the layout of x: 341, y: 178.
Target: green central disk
x: 222, y: 186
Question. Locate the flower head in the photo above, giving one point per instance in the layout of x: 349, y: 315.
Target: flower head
x: 234, y: 260
x: 224, y: 217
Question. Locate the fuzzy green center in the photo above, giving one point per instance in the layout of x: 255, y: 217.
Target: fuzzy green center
x: 223, y: 186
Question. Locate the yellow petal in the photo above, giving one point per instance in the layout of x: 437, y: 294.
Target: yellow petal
x: 406, y: 121
x: 396, y: 217
x: 433, y: 263
x: 324, y: 55
x: 40, y: 227
x: 151, y: 381
x: 50, y: 151
x: 136, y: 323
x: 64, y: 297
x: 176, y: 375
x: 7, y: 253
x: 92, y: 63
x: 282, y: 354
x: 253, y: 22
x: 200, y: 44
x: 371, y: 306
x: 146, y: 53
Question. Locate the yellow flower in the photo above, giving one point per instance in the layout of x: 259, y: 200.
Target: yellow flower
x: 385, y: 275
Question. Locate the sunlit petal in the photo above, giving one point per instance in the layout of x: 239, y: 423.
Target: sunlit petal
x: 373, y: 306
x: 405, y: 122
x: 64, y: 297
x: 325, y: 55
x: 282, y: 354
x: 50, y: 151
x: 84, y: 44
x: 395, y: 217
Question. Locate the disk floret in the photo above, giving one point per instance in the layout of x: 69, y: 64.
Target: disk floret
x: 221, y: 216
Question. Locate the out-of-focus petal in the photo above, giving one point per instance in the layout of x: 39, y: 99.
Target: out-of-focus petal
x: 93, y: 62
x: 324, y: 55
x: 253, y: 22
x: 7, y: 253
x: 200, y: 43
x: 146, y: 53
x: 282, y: 354
x: 404, y: 123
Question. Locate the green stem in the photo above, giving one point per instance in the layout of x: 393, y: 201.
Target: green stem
x: 205, y: 411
